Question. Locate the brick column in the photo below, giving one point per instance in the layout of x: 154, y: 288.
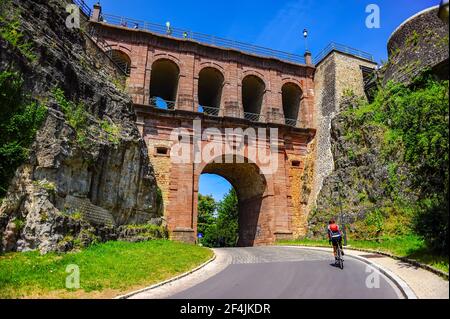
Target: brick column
x: 231, y: 94
x: 136, y: 84
x: 308, y: 58
x: 281, y: 210
x: 185, y: 95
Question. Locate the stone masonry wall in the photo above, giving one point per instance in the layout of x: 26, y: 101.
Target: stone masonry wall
x: 334, y: 75
x: 418, y: 43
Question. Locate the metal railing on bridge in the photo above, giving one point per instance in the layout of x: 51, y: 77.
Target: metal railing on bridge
x: 344, y: 49
x: 159, y: 103
x: 179, y: 33
x: 254, y: 117
x: 208, y: 110
x: 201, y: 38
x: 291, y: 122
x: 83, y: 7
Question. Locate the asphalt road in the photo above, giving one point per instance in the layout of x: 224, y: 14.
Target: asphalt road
x: 290, y: 273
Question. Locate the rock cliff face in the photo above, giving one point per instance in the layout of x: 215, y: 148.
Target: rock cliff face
x: 364, y: 179
x: 70, y: 191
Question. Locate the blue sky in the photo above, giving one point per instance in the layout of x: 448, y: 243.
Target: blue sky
x: 277, y: 25
x: 214, y: 185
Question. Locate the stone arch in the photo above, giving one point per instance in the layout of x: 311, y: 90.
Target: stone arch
x: 292, y: 80
x: 210, y: 87
x: 121, y: 47
x: 292, y: 96
x: 253, y: 92
x: 120, y: 58
x: 257, y: 74
x: 213, y: 65
x: 251, y: 186
x: 171, y: 57
x: 164, y: 79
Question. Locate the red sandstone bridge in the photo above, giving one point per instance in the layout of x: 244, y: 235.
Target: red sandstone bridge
x: 176, y: 76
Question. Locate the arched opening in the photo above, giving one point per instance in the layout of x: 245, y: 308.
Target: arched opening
x: 121, y: 59
x: 291, y: 96
x: 250, y: 186
x: 217, y: 213
x: 210, y: 84
x: 253, y: 89
x: 164, y: 83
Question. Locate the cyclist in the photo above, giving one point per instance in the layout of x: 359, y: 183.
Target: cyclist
x: 335, y: 236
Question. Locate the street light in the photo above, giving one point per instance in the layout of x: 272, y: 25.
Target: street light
x: 305, y: 35
x: 169, y: 28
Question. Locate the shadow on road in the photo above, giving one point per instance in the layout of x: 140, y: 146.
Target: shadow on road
x: 334, y: 265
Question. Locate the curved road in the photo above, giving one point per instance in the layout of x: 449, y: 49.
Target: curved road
x: 283, y: 272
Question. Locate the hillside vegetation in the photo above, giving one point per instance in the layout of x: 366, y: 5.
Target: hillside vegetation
x: 391, y: 166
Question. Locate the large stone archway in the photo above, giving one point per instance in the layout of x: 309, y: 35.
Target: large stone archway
x: 269, y: 206
x: 253, y: 195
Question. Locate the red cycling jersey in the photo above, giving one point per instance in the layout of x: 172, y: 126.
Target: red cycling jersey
x: 333, y: 231
x: 334, y: 228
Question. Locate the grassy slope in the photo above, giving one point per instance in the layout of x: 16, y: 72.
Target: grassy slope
x: 407, y: 246
x: 106, y: 270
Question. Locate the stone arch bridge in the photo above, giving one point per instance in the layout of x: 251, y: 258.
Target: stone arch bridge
x: 202, y: 91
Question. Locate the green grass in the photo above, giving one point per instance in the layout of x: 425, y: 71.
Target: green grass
x: 410, y: 246
x: 106, y: 270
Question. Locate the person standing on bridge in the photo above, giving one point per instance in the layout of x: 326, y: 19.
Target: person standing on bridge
x: 335, y: 236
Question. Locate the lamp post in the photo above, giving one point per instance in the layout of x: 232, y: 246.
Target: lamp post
x: 305, y: 35
x: 168, y: 28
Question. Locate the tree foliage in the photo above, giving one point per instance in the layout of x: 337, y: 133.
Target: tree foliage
x: 221, y: 229
x: 206, y: 219
x: 228, y: 220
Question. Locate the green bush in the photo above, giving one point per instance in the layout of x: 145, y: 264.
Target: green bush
x: 20, y: 119
x: 78, y: 118
x: 76, y: 115
x: 10, y: 30
x: 431, y: 222
x: 150, y: 230
x: 111, y: 130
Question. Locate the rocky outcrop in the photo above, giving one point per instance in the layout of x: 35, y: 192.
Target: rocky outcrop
x: 105, y: 174
x: 363, y: 179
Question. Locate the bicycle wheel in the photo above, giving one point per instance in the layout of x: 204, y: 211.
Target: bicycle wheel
x: 340, y: 260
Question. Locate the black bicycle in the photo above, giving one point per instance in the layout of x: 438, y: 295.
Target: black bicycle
x: 339, y: 259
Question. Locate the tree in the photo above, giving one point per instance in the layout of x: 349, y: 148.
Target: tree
x: 206, y: 219
x: 220, y: 230
x: 228, y: 220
